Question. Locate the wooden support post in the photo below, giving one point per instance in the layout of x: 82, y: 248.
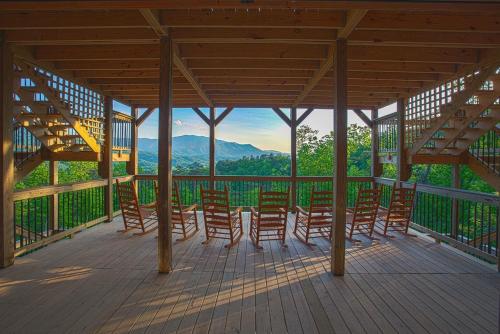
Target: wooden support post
x: 165, y: 157
x: 132, y: 164
x: 455, y: 183
x: 6, y: 156
x: 212, y: 148
x: 404, y: 170
x: 376, y: 168
x: 293, y: 155
x: 340, y: 154
x: 54, y: 200
x: 106, y: 165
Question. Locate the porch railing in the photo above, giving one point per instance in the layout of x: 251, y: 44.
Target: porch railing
x: 465, y: 219
x: 49, y: 213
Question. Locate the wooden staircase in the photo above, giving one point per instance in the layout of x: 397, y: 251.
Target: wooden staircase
x: 471, y: 114
x: 39, y: 108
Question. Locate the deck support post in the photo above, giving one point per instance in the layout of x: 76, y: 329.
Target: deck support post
x: 106, y: 165
x: 132, y: 164
x: 212, y: 148
x: 376, y: 168
x: 404, y: 170
x: 165, y: 157
x: 54, y: 199
x: 340, y: 157
x: 293, y: 155
x: 455, y: 183
x: 6, y: 156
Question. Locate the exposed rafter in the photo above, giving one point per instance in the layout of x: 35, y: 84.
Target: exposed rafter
x: 353, y: 18
x: 153, y: 19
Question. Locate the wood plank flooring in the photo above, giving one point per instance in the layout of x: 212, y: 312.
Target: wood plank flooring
x: 106, y: 282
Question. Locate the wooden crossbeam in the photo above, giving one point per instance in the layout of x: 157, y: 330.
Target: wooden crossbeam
x: 354, y: 17
x: 304, y: 115
x: 202, y: 115
x: 153, y: 18
x: 144, y: 116
x: 223, y: 115
x: 282, y: 115
x: 363, y: 117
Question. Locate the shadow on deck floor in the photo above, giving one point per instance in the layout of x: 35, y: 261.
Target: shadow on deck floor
x: 103, y: 281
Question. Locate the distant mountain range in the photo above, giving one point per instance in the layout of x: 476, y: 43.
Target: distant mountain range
x: 190, y: 148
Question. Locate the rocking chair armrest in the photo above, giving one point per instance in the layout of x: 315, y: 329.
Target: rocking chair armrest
x: 149, y: 206
x: 301, y: 210
x: 192, y: 207
x: 253, y: 211
x: 236, y: 212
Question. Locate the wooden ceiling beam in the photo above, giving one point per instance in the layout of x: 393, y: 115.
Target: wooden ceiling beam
x: 153, y: 19
x: 425, y: 39
x: 458, y: 6
x: 253, y: 19
x: 261, y: 51
x: 251, y: 51
x: 71, y: 19
x: 353, y: 18
x: 297, y: 64
x: 432, y: 21
x: 87, y: 36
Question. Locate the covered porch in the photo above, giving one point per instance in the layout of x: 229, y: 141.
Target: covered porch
x: 63, y: 64
x: 102, y: 281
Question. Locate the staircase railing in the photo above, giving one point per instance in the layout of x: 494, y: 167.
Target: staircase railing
x: 122, y: 132
x: 387, y: 135
x: 487, y: 151
x: 25, y: 145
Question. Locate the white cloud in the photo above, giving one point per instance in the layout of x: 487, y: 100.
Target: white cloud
x: 178, y: 122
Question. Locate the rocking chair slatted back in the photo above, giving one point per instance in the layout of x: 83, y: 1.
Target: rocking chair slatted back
x: 365, y: 212
x: 397, y: 217
x: 184, y: 220
x: 134, y: 215
x: 220, y: 222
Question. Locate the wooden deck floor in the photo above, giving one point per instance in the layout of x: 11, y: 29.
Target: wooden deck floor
x: 103, y: 281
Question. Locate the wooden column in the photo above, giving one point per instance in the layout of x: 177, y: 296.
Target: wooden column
x: 340, y: 154
x: 54, y: 200
x: 212, y: 148
x: 165, y: 157
x: 404, y: 170
x: 455, y: 183
x: 293, y: 155
x: 376, y: 168
x: 106, y: 165
x: 132, y: 164
x: 6, y: 157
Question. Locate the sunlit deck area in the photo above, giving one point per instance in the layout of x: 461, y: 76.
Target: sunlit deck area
x: 104, y: 281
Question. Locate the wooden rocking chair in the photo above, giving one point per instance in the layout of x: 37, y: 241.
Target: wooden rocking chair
x: 397, y: 216
x: 361, y: 219
x: 220, y: 222
x: 135, y: 216
x: 317, y: 222
x: 184, y: 219
x: 269, y: 221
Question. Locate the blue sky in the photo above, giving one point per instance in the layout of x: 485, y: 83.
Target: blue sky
x: 259, y: 127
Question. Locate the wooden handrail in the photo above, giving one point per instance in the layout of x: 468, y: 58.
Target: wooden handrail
x: 63, y: 188
x: 122, y: 116
x: 475, y: 196
x: 256, y: 178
